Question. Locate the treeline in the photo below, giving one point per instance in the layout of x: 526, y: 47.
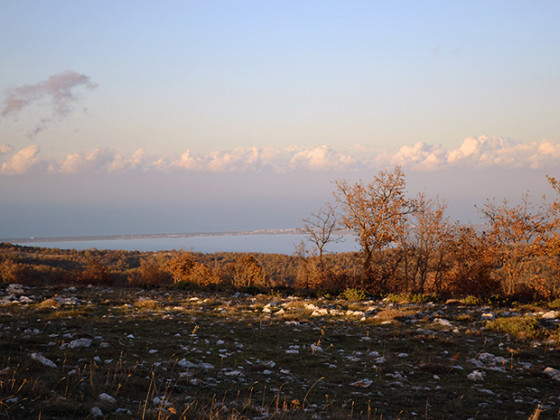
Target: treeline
x: 406, y: 245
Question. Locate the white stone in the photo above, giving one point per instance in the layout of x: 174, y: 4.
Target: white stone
x: 553, y: 373
x: 206, y: 366
x: 486, y: 357
x: 476, y: 375
x: 364, y: 383
x: 43, y: 360
x: 96, y: 412
x: 80, y: 342
x: 551, y: 315
x: 443, y: 322
x: 233, y: 373
x: 107, y: 398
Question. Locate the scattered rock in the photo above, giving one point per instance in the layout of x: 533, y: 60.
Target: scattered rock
x: 107, y: 398
x: 476, y: 375
x: 96, y: 412
x: 553, y: 373
x: 364, y: 383
x: 43, y: 360
x: 81, y: 342
x: 551, y: 315
x: 443, y: 322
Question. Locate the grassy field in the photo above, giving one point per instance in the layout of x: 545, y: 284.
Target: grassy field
x: 131, y: 353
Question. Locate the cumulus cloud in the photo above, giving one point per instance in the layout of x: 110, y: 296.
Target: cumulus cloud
x: 5, y: 149
x: 473, y: 152
x: 21, y: 162
x: 322, y: 158
x: 59, y: 90
x: 99, y: 160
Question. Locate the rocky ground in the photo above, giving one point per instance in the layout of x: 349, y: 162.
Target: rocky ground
x: 131, y: 353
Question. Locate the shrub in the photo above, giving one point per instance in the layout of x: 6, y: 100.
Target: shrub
x: 10, y: 270
x: 95, y: 273
x: 421, y: 298
x: 355, y: 295
x: 472, y: 301
x: 555, y: 304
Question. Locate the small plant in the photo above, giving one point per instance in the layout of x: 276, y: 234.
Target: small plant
x: 421, y: 298
x: 555, y: 304
x: 149, y: 304
x: 472, y: 301
x: 355, y: 295
x: 396, y: 298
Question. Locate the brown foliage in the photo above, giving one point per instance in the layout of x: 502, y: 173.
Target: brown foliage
x: 10, y: 270
x: 95, y: 273
x: 517, y: 237
x: 374, y: 211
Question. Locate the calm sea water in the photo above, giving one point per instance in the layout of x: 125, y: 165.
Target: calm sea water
x: 278, y: 244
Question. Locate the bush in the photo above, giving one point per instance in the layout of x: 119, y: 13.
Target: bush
x: 95, y: 273
x: 355, y: 295
x: 555, y: 304
x: 422, y: 298
x: 472, y: 301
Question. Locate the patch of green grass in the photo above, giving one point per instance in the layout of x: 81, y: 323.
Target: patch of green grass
x: 354, y: 295
x: 520, y: 327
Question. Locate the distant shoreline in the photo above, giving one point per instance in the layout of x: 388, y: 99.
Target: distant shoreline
x: 34, y: 239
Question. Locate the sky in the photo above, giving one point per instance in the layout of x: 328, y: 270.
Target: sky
x: 189, y: 116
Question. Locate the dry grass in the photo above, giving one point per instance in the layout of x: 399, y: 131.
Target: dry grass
x: 146, y: 303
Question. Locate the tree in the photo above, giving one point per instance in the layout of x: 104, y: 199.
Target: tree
x: 10, y: 270
x: 95, y: 272
x: 319, y: 228
x: 180, y: 266
x: 375, y: 212
x: 248, y: 272
x: 425, y: 239
x: 518, y: 235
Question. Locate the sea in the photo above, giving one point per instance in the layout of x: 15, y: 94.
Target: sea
x: 265, y: 243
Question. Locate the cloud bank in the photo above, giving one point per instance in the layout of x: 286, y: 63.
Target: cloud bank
x: 474, y: 152
x: 59, y: 91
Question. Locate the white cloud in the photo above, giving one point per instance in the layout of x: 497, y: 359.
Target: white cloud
x: 98, y: 160
x: 420, y: 156
x: 322, y: 158
x: 21, y: 162
x: 122, y: 163
x: 474, y: 152
x: 5, y: 149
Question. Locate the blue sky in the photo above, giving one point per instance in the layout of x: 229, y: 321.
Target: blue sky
x: 251, y: 108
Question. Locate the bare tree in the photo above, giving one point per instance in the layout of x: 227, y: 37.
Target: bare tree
x: 319, y: 228
x: 428, y: 235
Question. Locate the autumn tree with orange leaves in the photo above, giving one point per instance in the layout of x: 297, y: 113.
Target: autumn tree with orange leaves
x: 518, y: 235
x: 374, y: 211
